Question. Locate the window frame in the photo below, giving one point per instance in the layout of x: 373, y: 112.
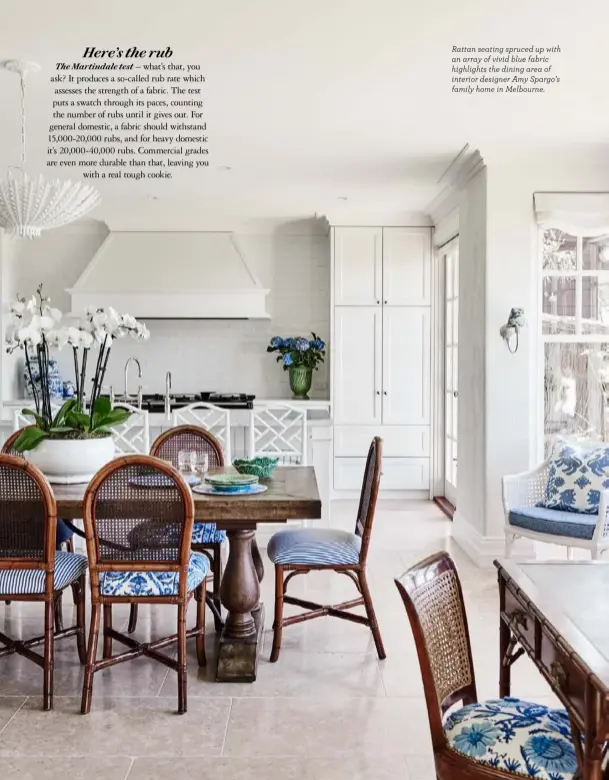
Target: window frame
x: 559, y: 338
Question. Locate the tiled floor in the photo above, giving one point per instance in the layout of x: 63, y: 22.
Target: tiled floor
x: 328, y: 709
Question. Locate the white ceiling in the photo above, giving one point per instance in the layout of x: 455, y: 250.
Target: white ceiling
x: 313, y: 102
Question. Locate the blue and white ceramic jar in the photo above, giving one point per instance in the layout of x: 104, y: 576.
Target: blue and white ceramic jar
x: 55, y: 381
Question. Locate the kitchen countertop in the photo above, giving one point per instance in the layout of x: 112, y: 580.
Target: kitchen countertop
x: 315, y: 406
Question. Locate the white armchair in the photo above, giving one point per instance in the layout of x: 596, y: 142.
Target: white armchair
x: 523, y: 492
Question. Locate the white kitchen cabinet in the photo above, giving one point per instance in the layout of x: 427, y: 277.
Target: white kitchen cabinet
x: 406, y: 266
x: 357, y: 361
x: 354, y: 440
x: 381, y: 357
x: 406, y: 365
x: 398, y: 473
x: 358, y: 266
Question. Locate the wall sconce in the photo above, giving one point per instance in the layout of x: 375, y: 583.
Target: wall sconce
x: 512, y: 328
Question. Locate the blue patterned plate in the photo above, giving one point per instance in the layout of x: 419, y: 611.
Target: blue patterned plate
x: 162, y: 480
x: 245, y: 490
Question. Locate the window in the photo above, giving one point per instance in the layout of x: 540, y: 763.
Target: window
x: 575, y: 334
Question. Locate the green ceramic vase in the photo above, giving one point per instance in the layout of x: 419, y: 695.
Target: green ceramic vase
x: 300, y: 382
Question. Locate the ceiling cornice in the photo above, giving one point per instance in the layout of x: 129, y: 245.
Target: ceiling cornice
x: 467, y: 164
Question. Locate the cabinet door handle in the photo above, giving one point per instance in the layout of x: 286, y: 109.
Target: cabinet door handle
x: 385, y: 302
x: 384, y: 392
x: 378, y: 392
x: 378, y: 302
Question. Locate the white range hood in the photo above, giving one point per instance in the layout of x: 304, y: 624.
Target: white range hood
x: 171, y: 275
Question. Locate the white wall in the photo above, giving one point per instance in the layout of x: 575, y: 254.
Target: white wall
x: 222, y: 355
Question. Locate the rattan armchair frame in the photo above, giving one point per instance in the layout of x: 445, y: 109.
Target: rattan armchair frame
x: 46, y: 563
x: 355, y: 572
x: 432, y: 594
x: 99, y: 564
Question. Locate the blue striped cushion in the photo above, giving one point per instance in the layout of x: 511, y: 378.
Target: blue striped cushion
x: 153, y: 583
x: 323, y: 546
x: 68, y: 567
x: 207, y: 533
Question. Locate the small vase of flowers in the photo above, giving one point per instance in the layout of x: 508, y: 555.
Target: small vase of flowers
x: 71, y: 444
x: 300, y: 357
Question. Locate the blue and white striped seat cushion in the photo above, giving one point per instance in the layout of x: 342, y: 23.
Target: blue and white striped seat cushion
x: 68, y: 567
x: 315, y: 546
x: 153, y: 583
x: 207, y: 533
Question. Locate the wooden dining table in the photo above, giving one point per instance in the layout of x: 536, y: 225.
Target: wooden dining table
x: 557, y: 612
x: 292, y: 494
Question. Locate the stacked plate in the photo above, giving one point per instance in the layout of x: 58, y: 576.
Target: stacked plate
x: 230, y: 485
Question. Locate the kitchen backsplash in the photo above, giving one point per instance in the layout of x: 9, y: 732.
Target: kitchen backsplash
x: 221, y: 355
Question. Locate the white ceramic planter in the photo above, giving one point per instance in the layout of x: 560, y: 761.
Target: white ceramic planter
x: 71, y: 461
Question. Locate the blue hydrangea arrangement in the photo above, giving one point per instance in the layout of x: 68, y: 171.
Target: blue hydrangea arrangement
x: 298, y: 351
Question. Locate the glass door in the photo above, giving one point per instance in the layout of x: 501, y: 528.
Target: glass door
x: 451, y: 365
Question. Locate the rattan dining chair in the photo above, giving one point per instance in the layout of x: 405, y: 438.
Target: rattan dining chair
x: 63, y: 535
x: 326, y: 549
x: 497, y: 738
x: 206, y: 538
x: 31, y: 569
x: 138, y: 515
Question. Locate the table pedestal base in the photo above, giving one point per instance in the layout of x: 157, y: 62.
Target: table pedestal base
x: 238, y: 659
x: 241, y: 637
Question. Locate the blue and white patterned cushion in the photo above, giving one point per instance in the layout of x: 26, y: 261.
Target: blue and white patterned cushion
x: 515, y: 736
x: 323, y: 546
x: 207, y: 533
x: 576, y: 479
x: 153, y: 583
x: 68, y: 567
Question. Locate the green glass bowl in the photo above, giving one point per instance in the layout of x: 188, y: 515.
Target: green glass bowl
x: 261, y: 467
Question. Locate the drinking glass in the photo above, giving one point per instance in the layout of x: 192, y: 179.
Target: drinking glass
x: 200, y: 463
x: 185, y: 461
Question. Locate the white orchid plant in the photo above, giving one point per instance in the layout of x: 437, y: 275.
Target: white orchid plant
x: 35, y: 329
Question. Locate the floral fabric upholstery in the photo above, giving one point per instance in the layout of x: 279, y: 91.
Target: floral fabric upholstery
x: 315, y: 546
x: 68, y: 567
x: 153, y: 583
x: 207, y: 533
x: 516, y: 736
x: 576, y: 479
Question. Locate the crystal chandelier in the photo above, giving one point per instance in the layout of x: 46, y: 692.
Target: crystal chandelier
x: 29, y: 205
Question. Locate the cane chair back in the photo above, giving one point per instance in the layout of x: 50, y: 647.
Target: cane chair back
x: 28, y: 518
x: 8, y: 448
x: 138, y: 516
x: 369, y: 494
x: 213, y: 418
x: 133, y: 436
x: 433, y: 598
x: 279, y: 431
x: 21, y: 420
x: 191, y: 438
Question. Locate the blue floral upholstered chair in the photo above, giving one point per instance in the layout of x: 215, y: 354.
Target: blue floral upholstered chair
x: 31, y: 568
x: 497, y: 738
x: 206, y: 538
x: 138, y: 516
x: 563, y: 501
